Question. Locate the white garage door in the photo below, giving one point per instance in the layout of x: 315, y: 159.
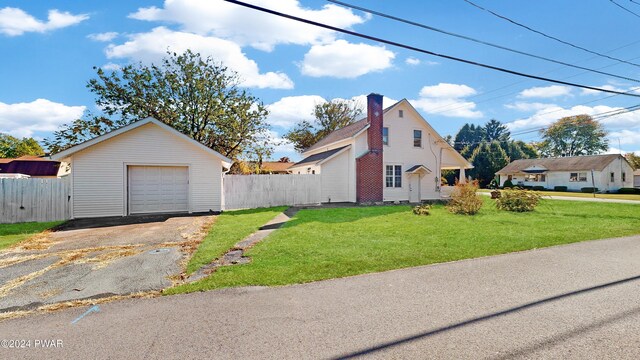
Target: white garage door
x: 157, y: 189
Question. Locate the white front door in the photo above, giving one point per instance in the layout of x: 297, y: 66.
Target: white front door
x: 414, y: 188
x: 158, y: 189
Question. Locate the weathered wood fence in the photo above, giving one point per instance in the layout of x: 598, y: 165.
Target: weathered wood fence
x: 25, y: 200
x: 253, y: 191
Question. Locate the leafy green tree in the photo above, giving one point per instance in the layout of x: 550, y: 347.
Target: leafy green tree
x: 633, y: 159
x: 494, y: 130
x: 329, y: 116
x: 12, y: 147
x: 487, y: 159
x: 197, y: 96
x: 469, y: 135
x: 574, y: 136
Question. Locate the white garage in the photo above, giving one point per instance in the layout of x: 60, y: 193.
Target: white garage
x: 146, y: 167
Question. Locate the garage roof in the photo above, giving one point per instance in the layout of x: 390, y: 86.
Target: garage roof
x: 226, y: 162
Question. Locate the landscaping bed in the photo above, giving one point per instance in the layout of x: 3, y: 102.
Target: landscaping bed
x: 327, y: 243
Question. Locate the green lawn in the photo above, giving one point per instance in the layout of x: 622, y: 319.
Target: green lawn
x: 14, y: 233
x: 329, y: 243
x: 230, y: 227
x: 584, y: 195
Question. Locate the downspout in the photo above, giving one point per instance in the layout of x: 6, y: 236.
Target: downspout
x: 437, y: 185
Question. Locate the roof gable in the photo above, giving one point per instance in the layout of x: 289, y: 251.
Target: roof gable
x: 318, y: 158
x: 134, y: 125
x: 572, y: 163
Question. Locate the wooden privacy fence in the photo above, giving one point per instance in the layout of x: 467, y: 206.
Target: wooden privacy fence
x: 25, y: 200
x: 253, y: 191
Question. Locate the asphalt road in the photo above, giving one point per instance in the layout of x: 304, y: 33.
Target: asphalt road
x: 578, y: 301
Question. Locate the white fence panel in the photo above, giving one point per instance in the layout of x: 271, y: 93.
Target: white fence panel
x: 254, y: 191
x: 26, y: 200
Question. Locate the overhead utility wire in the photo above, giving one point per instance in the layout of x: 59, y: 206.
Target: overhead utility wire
x: 547, y: 35
x: 416, y: 49
x: 624, y: 8
x: 427, y: 27
x: 635, y: 2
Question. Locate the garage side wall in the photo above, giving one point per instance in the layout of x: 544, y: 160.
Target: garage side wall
x: 99, y: 172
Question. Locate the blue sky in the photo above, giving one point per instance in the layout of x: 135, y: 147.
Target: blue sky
x: 49, y: 48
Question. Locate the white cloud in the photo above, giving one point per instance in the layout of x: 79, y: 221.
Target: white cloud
x: 549, y: 115
x: 111, y: 66
x: 412, y: 61
x: 625, y: 137
x: 447, y: 100
x: 14, y: 21
x: 250, y: 27
x: 608, y: 87
x: 342, y: 59
x: 361, y: 101
x: 23, y: 119
x: 152, y: 46
x: 289, y: 110
x: 545, y: 92
x: 527, y: 106
x: 103, y: 37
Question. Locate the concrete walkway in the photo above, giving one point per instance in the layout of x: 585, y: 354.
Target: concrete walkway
x: 578, y: 301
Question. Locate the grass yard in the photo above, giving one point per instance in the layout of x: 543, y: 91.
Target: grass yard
x: 230, y: 227
x: 584, y: 195
x: 330, y: 243
x: 14, y: 233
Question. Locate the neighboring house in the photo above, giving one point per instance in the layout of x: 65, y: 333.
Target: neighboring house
x: 610, y: 172
x: 144, y: 167
x: 636, y: 178
x: 30, y: 166
x: 391, y: 155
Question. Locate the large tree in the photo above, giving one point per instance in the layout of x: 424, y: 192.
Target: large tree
x: 469, y: 135
x: 494, y: 130
x: 12, y: 147
x: 574, y: 136
x: 634, y: 160
x: 197, y: 96
x: 487, y: 159
x: 329, y: 116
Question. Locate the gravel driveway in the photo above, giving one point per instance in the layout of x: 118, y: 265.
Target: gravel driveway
x: 97, y: 258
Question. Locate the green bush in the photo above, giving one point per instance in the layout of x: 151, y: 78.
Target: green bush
x: 422, y: 209
x: 560, y: 188
x: 517, y: 200
x: 628, y: 191
x: 589, y: 190
x: 527, y: 187
x: 538, y: 188
x: 464, y: 199
x: 507, y: 184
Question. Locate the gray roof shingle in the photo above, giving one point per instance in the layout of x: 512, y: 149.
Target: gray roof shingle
x: 315, y: 158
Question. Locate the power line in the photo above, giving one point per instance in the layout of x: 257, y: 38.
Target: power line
x: 624, y: 8
x: 547, y: 35
x: 427, y: 27
x: 416, y: 49
x: 635, y: 2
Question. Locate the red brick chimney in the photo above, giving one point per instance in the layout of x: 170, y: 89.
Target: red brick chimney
x: 369, y: 167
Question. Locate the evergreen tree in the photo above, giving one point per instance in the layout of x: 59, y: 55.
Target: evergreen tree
x: 487, y: 159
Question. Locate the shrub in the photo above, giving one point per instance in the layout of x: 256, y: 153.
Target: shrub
x: 589, y: 190
x: 507, y: 184
x: 517, y: 200
x: 628, y: 191
x: 560, y: 188
x: 464, y: 199
x: 422, y: 209
x: 538, y: 188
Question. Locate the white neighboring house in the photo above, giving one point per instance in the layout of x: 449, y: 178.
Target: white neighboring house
x: 144, y: 167
x: 610, y: 172
x: 391, y: 155
x: 636, y: 179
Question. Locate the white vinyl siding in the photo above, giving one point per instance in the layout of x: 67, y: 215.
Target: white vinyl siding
x: 335, y: 176
x: 158, y: 189
x: 99, y: 172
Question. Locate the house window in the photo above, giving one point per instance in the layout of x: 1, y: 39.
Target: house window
x: 612, y: 177
x: 393, y: 176
x: 578, y: 176
x: 624, y: 177
x: 417, y: 138
x: 385, y: 136
x: 535, y: 178
x: 313, y: 171
x: 400, y: 113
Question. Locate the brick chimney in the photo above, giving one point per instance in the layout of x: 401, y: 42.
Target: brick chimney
x: 369, y: 167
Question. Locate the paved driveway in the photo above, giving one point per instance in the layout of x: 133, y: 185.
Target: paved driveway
x: 97, y: 258
x: 580, y: 301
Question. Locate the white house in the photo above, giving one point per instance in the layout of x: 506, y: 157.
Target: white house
x: 608, y: 173
x: 391, y: 155
x: 636, y: 179
x: 144, y: 167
